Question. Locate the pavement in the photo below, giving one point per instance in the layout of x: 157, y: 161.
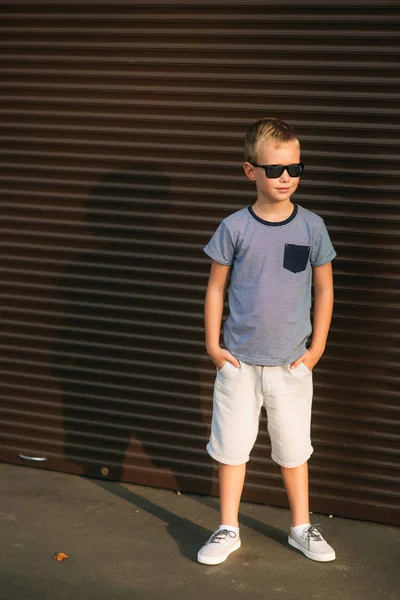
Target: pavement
x: 134, y: 542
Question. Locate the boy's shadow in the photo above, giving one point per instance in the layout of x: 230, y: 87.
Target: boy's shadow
x: 188, y: 535
x: 129, y: 352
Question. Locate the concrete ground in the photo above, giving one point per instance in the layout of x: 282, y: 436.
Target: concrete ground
x: 139, y: 543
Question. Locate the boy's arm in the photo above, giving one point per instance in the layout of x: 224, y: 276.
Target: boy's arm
x: 213, y: 310
x: 323, y: 307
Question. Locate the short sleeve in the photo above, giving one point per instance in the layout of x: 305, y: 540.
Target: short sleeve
x: 322, y: 250
x: 221, y: 247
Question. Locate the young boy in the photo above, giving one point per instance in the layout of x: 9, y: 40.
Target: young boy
x: 276, y: 250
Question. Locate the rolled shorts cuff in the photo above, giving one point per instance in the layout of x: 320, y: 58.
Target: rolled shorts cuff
x: 292, y: 465
x: 224, y: 461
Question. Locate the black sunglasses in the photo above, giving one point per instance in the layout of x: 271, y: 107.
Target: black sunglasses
x: 274, y: 171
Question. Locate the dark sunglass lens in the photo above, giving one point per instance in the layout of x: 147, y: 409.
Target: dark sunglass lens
x: 295, y: 170
x: 274, y: 171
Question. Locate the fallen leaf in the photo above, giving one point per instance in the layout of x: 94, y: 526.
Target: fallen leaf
x: 60, y: 556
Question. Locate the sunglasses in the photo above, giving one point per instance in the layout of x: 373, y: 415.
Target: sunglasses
x: 274, y: 171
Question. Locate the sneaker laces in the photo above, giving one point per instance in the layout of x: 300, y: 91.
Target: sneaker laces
x: 221, y: 535
x: 313, y: 533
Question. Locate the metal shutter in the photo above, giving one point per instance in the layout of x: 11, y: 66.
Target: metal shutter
x: 121, y: 151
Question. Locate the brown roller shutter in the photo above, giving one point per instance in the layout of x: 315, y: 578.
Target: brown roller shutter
x: 121, y: 150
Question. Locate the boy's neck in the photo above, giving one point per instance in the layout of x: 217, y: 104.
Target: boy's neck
x: 273, y: 211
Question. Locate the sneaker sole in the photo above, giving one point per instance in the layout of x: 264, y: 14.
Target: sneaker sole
x: 312, y: 555
x: 216, y: 560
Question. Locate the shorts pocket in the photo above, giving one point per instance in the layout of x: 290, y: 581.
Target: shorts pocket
x: 228, y: 370
x: 305, y: 367
x: 301, y: 369
x: 296, y: 257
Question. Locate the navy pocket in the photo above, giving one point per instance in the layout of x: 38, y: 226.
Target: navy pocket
x: 296, y: 257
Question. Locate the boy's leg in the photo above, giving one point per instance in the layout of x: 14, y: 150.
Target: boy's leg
x: 237, y: 404
x: 296, y: 484
x: 289, y: 419
x: 226, y: 539
x: 231, y: 481
x: 236, y: 410
x: 289, y: 425
x: 303, y: 536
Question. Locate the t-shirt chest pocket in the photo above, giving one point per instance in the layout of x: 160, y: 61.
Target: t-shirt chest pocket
x: 296, y: 257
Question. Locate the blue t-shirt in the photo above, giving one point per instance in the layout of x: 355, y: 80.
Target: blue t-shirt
x: 270, y: 286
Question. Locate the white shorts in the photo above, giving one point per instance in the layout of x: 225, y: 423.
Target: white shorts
x: 239, y: 395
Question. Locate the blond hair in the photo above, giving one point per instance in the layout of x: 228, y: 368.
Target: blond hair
x: 265, y: 130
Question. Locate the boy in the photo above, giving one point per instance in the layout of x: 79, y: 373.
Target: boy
x: 276, y: 249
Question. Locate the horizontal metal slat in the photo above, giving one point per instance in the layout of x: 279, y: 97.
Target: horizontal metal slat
x: 211, y: 44
x: 117, y: 411
x: 304, y: 76
x: 315, y: 125
x: 122, y: 309
x: 199, y: 4
x: 131, y: 295
x: 153, y: 377
x: 195, y: 90
x: 62, y: 262
x: 106, y: 319
x: 335, y: 13
x: 153, y: 360
x: 67, y: 236
x: 274, y: 12
x: 32, y: 388
x: 84, y: 343
x: 208, y: 30
x: 196, y: 131
x: 53, y: 426
x: 225, y: 106
x: 275, y: 59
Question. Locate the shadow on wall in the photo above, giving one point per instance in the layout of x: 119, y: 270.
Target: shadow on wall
x: 129, y: 352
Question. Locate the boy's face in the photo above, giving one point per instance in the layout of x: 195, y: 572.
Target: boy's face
x: 279, y: 189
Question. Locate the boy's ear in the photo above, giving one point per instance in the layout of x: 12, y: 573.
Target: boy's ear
x: 249, y: 170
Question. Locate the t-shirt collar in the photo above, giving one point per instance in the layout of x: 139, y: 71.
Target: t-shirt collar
x: 272, y: 223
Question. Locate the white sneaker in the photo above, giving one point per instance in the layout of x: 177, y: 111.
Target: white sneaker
x: 219, y: 547
x: 312, y: 544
